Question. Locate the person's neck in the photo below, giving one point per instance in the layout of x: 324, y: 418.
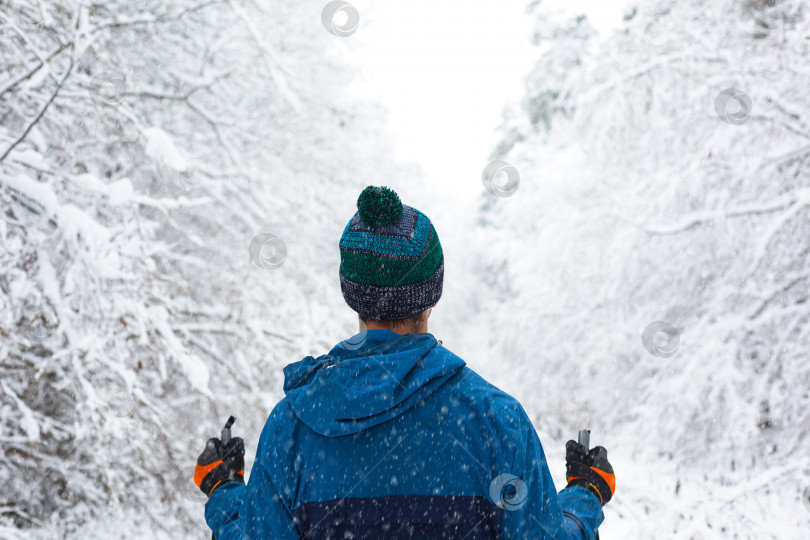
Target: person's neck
x: 402, y: 330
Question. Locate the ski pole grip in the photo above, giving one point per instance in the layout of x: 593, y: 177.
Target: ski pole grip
x: 225, y: 436
x: 584, y: 438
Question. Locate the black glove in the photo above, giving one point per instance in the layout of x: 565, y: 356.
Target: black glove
x: 590, y: 469
x: 220, y: 463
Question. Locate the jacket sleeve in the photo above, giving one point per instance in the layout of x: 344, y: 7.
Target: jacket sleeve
x: 252, y: 511
x: 573, y: 513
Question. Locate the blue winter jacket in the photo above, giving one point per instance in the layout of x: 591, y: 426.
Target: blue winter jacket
x: 392, y: 436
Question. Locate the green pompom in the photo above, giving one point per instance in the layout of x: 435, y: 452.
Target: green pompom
x: 379, y: 206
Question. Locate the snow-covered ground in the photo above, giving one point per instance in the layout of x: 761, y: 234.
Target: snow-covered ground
x: 662, y: 150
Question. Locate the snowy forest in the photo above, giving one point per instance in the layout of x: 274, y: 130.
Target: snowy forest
x: 174, y: 178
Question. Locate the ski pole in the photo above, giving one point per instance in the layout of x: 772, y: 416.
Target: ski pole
x: 225, y: 436
x: 584, y: 438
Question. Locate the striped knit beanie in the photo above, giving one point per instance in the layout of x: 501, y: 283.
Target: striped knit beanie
x: 391, y: 261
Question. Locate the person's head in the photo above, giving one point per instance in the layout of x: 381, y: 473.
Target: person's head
x: 391, y: 263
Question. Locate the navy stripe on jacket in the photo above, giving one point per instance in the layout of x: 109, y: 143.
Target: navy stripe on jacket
x: 400, y: 517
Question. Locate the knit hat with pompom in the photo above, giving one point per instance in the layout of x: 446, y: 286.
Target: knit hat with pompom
x: 391, y: 261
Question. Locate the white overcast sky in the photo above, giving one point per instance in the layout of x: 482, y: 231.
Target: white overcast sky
x: 445, y: 68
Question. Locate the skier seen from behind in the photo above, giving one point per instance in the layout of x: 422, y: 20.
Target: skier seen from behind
x: 390, y: 435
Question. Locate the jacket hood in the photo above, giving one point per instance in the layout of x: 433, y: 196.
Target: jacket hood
x: 365, y: 380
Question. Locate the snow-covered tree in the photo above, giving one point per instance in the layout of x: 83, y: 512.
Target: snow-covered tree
x: 144, y: 147
x: 664, y: 177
